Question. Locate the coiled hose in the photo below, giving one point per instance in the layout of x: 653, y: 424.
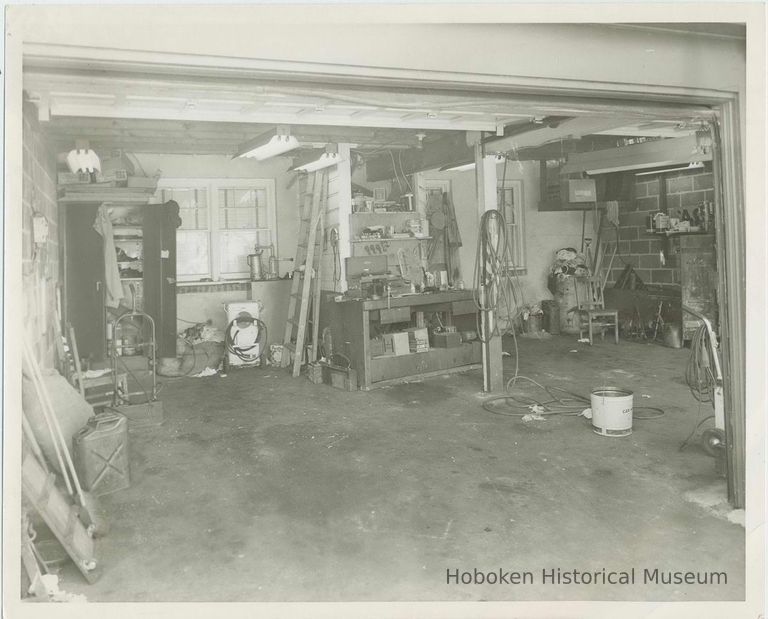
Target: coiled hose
x: 241, y: 352
x: 560, y: 402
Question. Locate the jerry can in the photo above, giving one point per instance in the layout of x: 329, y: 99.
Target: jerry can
x: 100, y: 453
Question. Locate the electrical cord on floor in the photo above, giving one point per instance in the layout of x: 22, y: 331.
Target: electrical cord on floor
x: 688, y: 439
x: 188, y: 372
x: 571, y: 406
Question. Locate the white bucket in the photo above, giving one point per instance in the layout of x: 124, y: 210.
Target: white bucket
x: 612, y: 411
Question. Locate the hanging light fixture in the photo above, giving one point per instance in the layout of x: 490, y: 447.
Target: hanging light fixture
x: 83, y: 159
x: 458, y: 167
x: 317, y: 160
x: 469, y: 165
x: 694, y: 165
x: 270, y: 144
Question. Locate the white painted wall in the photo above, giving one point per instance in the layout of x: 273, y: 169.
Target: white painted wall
x: 545, y: 232
x: 202, y: 306
x: 219, y: 166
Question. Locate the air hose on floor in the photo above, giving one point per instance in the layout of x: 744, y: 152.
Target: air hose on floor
x: 560, y: 402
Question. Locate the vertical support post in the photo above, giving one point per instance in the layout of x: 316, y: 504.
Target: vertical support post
x: 345, y: 210
x: 730, y: 228
x: 485, y: 179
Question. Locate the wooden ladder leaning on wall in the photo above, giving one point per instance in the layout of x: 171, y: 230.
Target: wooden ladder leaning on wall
x: 306, y: 277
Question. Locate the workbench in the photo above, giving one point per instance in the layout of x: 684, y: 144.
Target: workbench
x: 352, y: 322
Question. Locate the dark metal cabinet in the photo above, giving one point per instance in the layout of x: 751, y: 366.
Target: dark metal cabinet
x: 84, y: 290
x: 159, y: 227
x: 85, y: 276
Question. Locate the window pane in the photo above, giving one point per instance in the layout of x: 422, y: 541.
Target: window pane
x: 193, y: 206
x: 241, y: 209
x: 192, y: 253
x: 235, y: 247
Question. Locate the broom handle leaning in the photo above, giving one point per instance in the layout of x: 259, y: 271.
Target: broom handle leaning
x: 57, y: 449
x: 49, y: 412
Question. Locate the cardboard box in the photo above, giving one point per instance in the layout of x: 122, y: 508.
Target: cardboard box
x: 396, y: 344
x: 315, y: 372
x: 339, y: 377
x: 376, y: 347
x: 112, y: 176
x: 74, y: 178
x: 418, y: 340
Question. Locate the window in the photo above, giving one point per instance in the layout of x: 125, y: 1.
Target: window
x: 510, y: 204
x: 222, y: 220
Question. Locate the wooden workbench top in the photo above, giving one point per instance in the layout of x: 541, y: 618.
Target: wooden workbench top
x: 426, y: 298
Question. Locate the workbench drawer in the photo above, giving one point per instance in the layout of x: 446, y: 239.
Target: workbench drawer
x: 395, y: 314
x: 467, y: 306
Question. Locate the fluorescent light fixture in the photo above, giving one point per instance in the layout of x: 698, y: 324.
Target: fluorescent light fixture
x: 694, y: 165
x: 83, y: 160
x: 458, y: 167
x: 463, y: 167
x: 269, y: 145
x: 313, y: 162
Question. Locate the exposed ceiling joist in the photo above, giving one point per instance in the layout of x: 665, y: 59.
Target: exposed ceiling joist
x: 176, y: 136
x: 544, y: 134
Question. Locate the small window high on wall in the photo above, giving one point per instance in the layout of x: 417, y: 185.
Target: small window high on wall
x: 223, y: 220
x: 510, y: 204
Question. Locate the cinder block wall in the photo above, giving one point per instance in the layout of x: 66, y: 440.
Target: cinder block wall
x: 641, y: 249
x: 40, y: 263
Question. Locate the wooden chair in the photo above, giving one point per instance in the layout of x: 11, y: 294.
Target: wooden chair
x: 591, y: 306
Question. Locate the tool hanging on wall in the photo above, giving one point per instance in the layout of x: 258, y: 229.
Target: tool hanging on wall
x: 307, y: 270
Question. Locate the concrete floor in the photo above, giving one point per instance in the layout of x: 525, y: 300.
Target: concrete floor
x: 259, y: 487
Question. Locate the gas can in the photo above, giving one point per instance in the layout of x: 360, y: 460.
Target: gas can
x: 100, y: 451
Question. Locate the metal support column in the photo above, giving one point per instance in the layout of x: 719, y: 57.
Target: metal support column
x: 493, y: 371
x: 731, y: 268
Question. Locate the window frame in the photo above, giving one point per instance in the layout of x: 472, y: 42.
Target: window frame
x: 215, y: 229
x: 516, y: 186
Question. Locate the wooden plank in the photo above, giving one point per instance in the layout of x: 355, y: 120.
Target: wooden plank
x: 60, y: 516
x: 306, y: 284
x: 418, y: 377
x: 435, y: 360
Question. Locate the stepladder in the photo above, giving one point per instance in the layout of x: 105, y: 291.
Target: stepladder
x: 305, y: 286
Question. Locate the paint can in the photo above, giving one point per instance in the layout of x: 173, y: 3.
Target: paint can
x: 612, y: 411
